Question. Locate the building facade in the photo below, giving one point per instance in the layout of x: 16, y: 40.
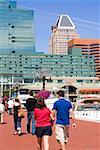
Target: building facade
x: 16, y: 29
x: 20, y: 63
x: 89, y: 47
x: 26, y: 68
x: 62, y: 32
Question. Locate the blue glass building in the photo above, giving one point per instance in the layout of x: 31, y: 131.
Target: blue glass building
x: 16, y: 29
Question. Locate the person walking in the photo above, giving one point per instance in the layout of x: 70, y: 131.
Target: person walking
x: 10, y: 106
x: 62, y: 110
x: 30, y: 105
x: 17, y: 119
x: 43, y: 118
x: 2, y: 110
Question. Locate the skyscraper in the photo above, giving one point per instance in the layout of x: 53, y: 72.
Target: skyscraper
x: 16, y: 29
x: 62, y: 32
x: 89, y: 47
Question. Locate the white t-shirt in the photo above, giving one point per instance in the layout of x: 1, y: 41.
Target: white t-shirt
x: 10, y: 104
x: 2, y: 108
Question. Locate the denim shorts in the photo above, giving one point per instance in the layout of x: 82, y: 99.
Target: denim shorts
x: 41, y: 131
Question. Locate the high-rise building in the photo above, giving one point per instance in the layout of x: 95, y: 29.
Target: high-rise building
x: 20, y: 63
x: 62, y: 32
x: 16, y: 29
x: 25, y: 68
x: 89, y: 47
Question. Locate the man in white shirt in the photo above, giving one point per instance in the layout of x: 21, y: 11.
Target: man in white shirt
x: 2, y: 110
x: 10, y: 106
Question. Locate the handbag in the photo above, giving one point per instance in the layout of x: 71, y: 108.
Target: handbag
x: 21, y: 113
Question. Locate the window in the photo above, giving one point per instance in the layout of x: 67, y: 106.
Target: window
x: 60, y: 81
x: 61, y: 56
x: 13, y: 40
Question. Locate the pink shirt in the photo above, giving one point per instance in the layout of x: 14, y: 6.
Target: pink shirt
x: 42, y: 117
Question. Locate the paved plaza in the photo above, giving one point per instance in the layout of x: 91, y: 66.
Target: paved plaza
x: 85, y: 137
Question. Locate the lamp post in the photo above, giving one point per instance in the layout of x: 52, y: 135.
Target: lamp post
x: 44, y: 78
x: 42, y: 73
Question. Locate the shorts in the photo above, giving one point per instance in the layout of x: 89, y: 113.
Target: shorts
x: 62, y: 133
x: 41, y: 131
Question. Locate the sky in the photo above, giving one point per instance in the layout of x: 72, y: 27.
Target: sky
x: 85, y: 14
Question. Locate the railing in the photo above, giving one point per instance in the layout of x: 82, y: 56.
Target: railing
x: 87, y: 115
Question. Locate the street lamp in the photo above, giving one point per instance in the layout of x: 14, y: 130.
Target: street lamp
x: 43, y: 78
x: 41, y: 74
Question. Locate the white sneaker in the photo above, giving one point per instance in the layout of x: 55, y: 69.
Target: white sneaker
x: 19, y: 132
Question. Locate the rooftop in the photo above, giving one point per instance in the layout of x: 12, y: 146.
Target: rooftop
x: 64, y: 21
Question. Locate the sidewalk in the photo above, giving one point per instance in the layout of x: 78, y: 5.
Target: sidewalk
x: 85, y: 137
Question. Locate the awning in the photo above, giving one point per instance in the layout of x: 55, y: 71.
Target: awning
x: 90, y: 90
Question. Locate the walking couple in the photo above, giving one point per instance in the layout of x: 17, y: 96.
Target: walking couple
x: 62, y: 110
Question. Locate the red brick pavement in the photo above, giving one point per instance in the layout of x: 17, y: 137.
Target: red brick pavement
x: 85, y: 137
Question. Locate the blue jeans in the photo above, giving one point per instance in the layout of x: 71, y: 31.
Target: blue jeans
x: 10, y: 111
x: 17, y: 123
x: 30, y: 117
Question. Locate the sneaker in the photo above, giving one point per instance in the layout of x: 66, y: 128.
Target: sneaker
x: 66, y: 141
x: 15, y: 133
x: 19, y: 132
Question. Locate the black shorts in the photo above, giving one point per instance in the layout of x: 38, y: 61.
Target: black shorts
x: 41, y: 131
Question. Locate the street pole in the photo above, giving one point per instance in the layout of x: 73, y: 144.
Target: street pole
x: 44, y: 82
x: 1, y: 94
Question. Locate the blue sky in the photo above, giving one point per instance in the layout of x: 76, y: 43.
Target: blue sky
x: 84, y: 13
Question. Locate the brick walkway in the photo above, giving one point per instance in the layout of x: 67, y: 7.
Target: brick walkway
x: 85, y: 137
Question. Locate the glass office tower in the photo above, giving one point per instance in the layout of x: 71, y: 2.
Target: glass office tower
x: 16, y: 29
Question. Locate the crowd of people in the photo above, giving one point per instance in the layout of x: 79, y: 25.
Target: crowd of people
x: 41, y: 119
